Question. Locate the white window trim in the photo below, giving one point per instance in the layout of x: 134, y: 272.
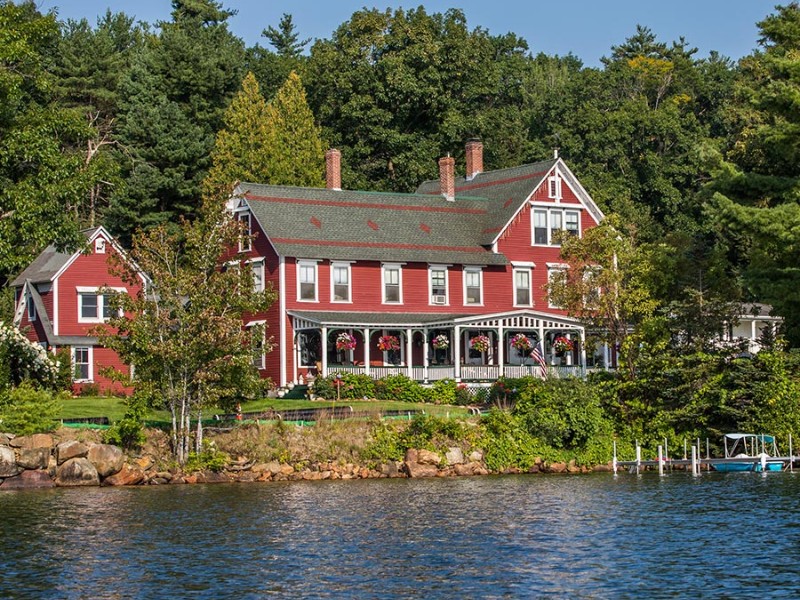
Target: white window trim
x: 100, y: 245
x: 308, y: 263
x: 340, y: 264
x: 479, y: 271
x: 90, y: 358
x: 30, y: 306
x: 263, y: 359
x: 549, y: 210
x: 246, y: 241
x: 529, y: 271
x: 257, y: 264
x: 99, y: 292
x: 554, y: 187
x: 384, y: 268
x: 431, y: 269
x: 552, y: 268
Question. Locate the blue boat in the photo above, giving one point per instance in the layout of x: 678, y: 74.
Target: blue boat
x: 749, y: 452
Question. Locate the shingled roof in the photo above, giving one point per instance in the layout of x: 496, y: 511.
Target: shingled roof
x: 419, y: 227
x: 49, y: 262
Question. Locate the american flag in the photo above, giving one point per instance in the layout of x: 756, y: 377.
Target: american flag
x: 538, y: 356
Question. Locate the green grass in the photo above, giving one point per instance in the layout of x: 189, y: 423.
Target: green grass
x: 114, y: 408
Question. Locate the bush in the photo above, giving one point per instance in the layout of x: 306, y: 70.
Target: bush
x: 25, y: 410
x: 352, y: 387
x: 507, y: 444
x: 443, y: 392
x: 401, y: 388
x: 384, y: 444
x: 128, y: 432
x: 209, y: 459
x: 23, y: 360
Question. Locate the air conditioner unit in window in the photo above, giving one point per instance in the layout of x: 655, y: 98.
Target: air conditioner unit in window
x: 438, y: 299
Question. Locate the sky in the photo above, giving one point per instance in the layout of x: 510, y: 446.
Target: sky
x: 586, y: 28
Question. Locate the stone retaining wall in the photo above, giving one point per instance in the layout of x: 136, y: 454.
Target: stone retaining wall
x: 40, y: 461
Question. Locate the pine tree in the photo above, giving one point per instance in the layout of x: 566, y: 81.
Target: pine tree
x: 295, y: 150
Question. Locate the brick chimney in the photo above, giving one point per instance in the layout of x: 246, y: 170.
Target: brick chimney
x: 447, y: 177
x: 474, y: 158
x: 333, y: 169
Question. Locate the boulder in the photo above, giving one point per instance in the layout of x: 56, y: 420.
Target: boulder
x: 107, y: 459
x: 476, y: 456
x: 212, y: 477
x: 426, y: 457
x: 8, y: 462
x: 144, y: 463
x: 466, y: 470
x: 77, y: 472
x: 418, y: 470
x: 454, y: 456
x: 5, y: 438
x: 28, y: 480
x: 557, y: 467
x: 127, y: 475
x: 34, y: 458
x: 68, y: 450
x: 37, y: 440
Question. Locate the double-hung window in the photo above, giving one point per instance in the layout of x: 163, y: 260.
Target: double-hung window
x: 554, y: 270
x: 473, y: 286
x: 522, y: 286
x: 340, y: 282
x: 547, y: 222
x: 31, y: 306
x: 257, y: 268
x: 437, y: 279
x: 258, y: 343
x: 94, y: 306
x: 82, y: 363
x: 246, y: 240
x: 392, y: 277
x: 307, y: 281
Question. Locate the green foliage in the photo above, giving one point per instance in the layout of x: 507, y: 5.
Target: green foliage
x: 400, y: 387
x: 353, y: 386
x: 64, y: 372
x: 22, y: 360
x: 390, y: 442
x: 210, y: 458
x: 25, y: 410
x: 444, y: 391
x: 507, y: 443
x: 128, y: 432
x: 384, y: 444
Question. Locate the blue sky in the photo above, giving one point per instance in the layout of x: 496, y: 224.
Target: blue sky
x: 587, y: 28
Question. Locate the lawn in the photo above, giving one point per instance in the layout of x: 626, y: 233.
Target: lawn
x: 114, y: 407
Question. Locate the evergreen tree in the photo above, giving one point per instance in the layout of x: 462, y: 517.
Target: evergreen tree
x: 756, y: 191
x: 293, y: 147
x: 285, y: 38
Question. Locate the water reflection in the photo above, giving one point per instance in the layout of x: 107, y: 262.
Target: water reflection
x: 492, y: 537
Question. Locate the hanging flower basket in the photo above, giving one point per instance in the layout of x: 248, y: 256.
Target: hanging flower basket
x: 388, y: 342
x: 345, y: 341
x: 441, y: 342
x: 480, y: 343
x: 521, y: 342
x: 562, y: 344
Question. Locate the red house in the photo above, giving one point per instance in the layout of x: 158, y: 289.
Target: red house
x: 434, y: 284
x: 61, y: 297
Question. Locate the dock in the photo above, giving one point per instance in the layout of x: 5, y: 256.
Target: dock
x: 696, y: 463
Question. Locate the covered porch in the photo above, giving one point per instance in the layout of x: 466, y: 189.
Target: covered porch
x: 430, y: 347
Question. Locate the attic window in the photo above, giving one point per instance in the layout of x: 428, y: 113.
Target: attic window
x: 316, y: 222
x: 100, y: 246
x: 373, y: 225
x: 554, y: 187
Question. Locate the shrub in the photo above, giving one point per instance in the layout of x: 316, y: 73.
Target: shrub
x: 209, y: 459
x: 23, y: 360
x: 384, y: 444
x: 128, y: 432
x: 443, y: 392
x: 400, y: 387
x: 506, y: 443
x: 353, y: 387
x: 25, y: 410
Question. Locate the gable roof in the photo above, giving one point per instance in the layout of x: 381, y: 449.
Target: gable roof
x: 419, y: 227
x: 51, y: 262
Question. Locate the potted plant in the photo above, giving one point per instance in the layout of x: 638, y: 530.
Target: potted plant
x: 562, y: 344
x: 480, y: 343
x: 388, y: 343
x: 345, y: 341
x: 441, y: 342
x: 521, y: 343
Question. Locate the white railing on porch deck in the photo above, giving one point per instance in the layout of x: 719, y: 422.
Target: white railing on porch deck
x: 468, y: 372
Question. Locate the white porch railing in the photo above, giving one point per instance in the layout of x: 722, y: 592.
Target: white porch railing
x: 468, y: 372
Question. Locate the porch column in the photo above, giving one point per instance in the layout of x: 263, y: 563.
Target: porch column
x: 606, y: 356
x: 457, y: 353
x: 296, y: 355
x: 501, y: 348
x: 583, y: 350
x: 541, y: 340
x: 752, y: 345
x: 425, y: 355
x: 409, y: 348
x: 569, y: 354
x: 324, y: 351
x: 366, y: 350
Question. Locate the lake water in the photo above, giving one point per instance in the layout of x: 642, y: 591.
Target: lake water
x: 590, y: 536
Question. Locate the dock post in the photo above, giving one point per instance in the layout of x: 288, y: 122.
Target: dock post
x: 638, y: 457
x: 666, y: 453
x: 684, y: 449
x: 614, y: 459
x: 695, y: 470
x: 660, y: 461
x: 791, y: 454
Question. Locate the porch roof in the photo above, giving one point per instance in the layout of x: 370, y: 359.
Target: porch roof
x: 520, y: 319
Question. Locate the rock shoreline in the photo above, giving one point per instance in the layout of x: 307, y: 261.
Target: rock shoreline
x: 41, y: 461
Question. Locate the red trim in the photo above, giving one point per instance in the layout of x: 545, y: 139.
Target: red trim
x: 440, y: 209
x: 475, y: 186
x: 316, y: 222
x: 425, y: 228
x: 373, y: 224
x: 377, y: 245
